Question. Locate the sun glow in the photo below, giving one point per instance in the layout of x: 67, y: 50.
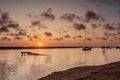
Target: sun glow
x: 40, y: 43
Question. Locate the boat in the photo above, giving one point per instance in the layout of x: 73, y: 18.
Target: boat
x: 86, y: 48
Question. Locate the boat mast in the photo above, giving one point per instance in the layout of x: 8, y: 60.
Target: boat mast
x: 85, y: 37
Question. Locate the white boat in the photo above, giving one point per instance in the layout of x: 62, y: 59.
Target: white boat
x: 86, y: 48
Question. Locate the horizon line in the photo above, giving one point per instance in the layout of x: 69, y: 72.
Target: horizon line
x: 51, y: 47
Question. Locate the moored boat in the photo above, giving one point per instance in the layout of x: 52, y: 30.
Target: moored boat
x: 86, y: 48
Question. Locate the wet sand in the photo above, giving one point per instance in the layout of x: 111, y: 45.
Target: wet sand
x: 104, y: 72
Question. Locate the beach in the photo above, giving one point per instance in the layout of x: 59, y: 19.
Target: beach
x: 109, y: 71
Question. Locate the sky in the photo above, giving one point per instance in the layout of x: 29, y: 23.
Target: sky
x: 59, y: 22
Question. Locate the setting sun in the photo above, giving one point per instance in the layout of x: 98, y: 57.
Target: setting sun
x: 40, y: 43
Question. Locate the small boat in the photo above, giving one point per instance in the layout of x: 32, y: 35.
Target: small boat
x: 86, y: 48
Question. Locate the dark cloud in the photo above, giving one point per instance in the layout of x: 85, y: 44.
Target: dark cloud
x: 58, y: 39
x: 79, y: 36
x: 48, y: 14
x: 113, y: 34
x: 5, y: 16
x: 70, y: 17
x: 6, y: 23
x: 13, y: 25
x: 10, y: 34
x: 48, y: 34
x: 2, y: 22
x: 104, y: 38
x: 38, y: 24
x: 79, y: 26
x: 106, y: 34
x: 89, y: 15
x: 29, y: 37
x: 22, y: 32
x: 4, y: 29
x: 89, y: 39
x: 108, y: 27
x: 5, y: 39
x: 18, y: 35
x: 67, y: 36
x: 35, y: 23
x: 93, y: 26
x: 18, y: 38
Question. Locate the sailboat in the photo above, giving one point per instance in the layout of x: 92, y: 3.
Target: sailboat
x: 86, y: 48
x: 104, y: 46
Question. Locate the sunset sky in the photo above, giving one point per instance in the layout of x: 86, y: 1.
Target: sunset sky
x: 59, y: 22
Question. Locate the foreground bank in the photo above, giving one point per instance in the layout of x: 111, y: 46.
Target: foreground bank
x: 104, y: 72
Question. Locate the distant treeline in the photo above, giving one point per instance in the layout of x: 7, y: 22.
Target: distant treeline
x: 4, y: 48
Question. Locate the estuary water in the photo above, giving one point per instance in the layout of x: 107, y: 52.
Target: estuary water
x: 14, y: 66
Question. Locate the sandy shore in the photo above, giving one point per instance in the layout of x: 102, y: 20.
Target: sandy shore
x: 104, y: 72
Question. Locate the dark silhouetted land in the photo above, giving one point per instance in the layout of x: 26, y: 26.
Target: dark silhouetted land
x: 52, y: 47
x: 104, y: 72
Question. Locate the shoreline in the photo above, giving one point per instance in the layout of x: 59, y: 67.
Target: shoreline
x: 109, y: 71
x: 58, y: 47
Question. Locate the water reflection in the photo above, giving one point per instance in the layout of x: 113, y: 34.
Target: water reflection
x: 13, y: 66
x: 3, y: 70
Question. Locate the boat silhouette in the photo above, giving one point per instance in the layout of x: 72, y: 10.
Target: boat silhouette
x: 86, y: 48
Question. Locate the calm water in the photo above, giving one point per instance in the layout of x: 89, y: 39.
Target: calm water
x: 13, y: 66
